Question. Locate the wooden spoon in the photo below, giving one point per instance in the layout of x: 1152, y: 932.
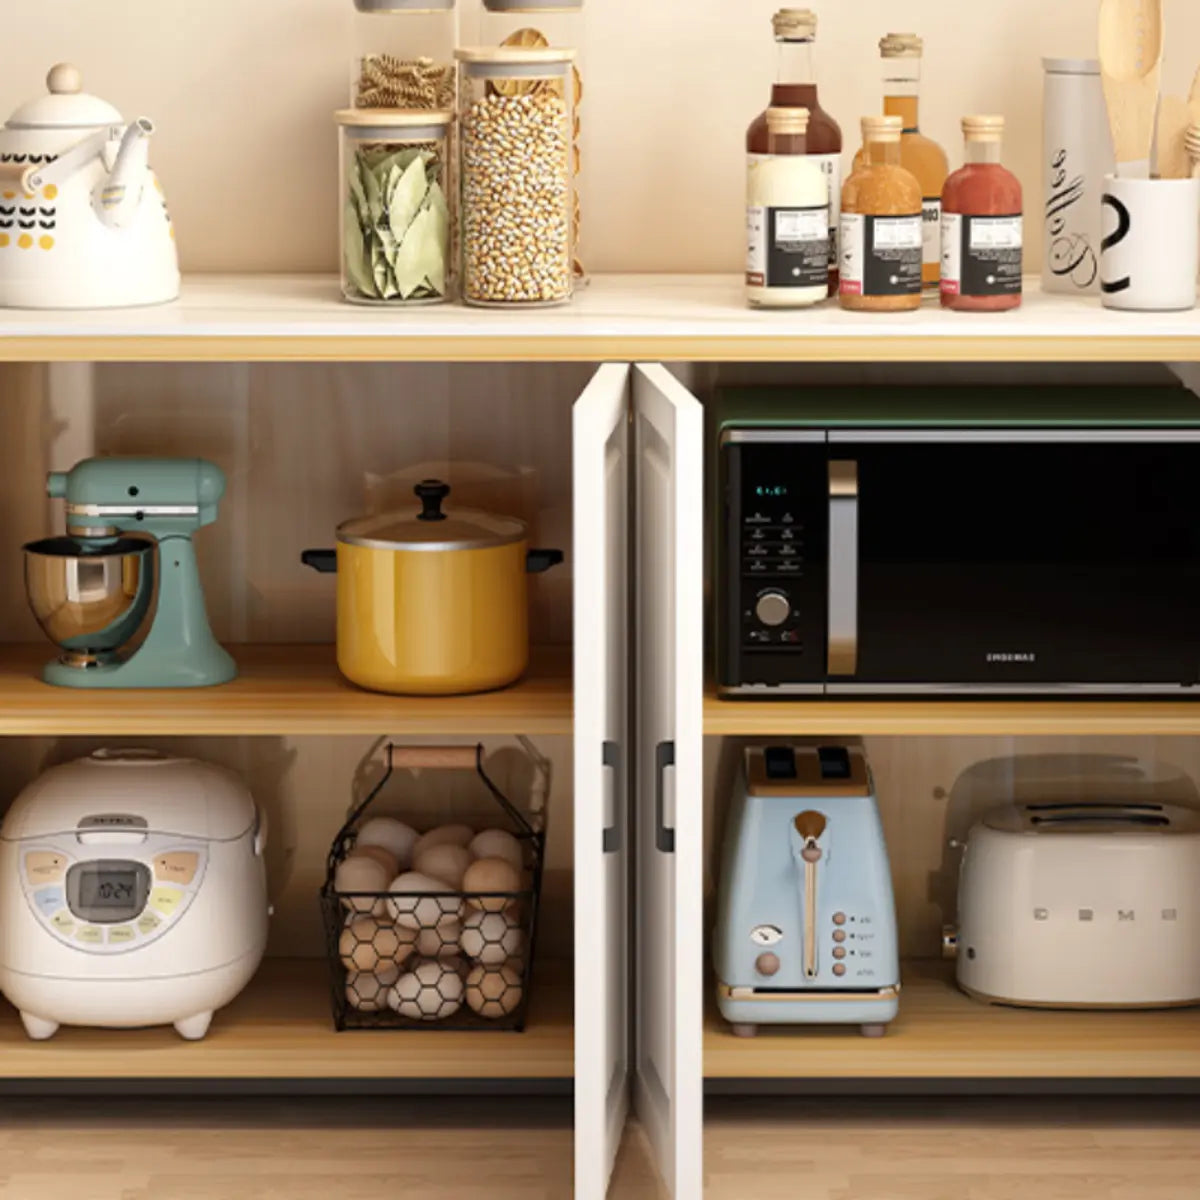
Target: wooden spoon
x: 1131, y: 51
x: 1174, y: 121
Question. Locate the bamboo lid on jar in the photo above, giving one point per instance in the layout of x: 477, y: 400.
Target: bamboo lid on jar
x: 787, y: 120
x: 983, y: 129
x: 795, y: 24
x: 882, y: 129
x: 901, y: 45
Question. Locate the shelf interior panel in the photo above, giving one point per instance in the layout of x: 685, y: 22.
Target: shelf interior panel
x: 943, y: 1034
x: 281, y: 1027
x: 281, y: 690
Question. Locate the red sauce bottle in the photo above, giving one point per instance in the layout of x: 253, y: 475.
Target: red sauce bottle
x: 982, y: 226
x: 796, y: 87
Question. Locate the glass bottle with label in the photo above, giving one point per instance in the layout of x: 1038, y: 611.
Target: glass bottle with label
x: 787, y: 218
x: 982, y: 225
x: 796, y: 87
x: 403, y: 54
x: 882, y: 238
x: 922, y: 156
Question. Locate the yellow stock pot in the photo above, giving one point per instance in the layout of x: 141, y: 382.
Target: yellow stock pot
x: 432, y: 603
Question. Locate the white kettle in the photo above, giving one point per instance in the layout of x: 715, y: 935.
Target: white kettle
x: 83, y: 222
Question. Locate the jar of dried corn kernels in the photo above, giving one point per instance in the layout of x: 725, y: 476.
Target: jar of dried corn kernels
x: 403, y: 54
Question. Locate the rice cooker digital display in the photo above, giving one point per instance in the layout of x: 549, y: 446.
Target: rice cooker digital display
x: 107, y: 891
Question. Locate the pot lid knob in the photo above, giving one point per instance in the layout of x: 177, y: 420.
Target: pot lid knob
x: 431, y: 493
x: 65, y: 80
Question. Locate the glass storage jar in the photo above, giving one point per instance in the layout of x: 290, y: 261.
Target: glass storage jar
x: 397, y: 199
x: 403, y: 54
x: 516, y: 122
x: 540, y: 23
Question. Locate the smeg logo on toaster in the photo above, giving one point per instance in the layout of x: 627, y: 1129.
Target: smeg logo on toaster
x: 1123, y: 916
x: 1010, y: 656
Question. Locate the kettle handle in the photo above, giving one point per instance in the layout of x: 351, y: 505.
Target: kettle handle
x: 67, y: 163
x: 324, y: 561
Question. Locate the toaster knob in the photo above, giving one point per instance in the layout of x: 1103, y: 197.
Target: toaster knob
x: 767, y: 964
x: 773, y: 608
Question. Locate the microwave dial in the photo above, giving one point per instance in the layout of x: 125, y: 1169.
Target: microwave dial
x: 773, y: 608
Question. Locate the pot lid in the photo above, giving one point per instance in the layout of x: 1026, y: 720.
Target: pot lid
x: 67, y: 106
x: 135, y: 790
x: 429, y: 528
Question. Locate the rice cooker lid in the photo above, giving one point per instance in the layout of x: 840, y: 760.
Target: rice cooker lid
x: 1058, y: 818
x: 179, y: 796
x: 428, y: 528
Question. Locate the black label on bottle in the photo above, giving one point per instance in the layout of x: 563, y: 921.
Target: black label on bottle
x: 881, y: 256
x: 981, y: 256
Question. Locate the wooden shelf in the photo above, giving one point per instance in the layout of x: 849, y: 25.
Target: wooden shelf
x: 950, y: 718
x: 943, y: 1034
x: 281, y: 690
x: 698, y: 318
x: 280, y: 1027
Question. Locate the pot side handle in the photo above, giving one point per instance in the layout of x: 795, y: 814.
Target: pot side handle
x: 537, y: 561
x: 324, y: 561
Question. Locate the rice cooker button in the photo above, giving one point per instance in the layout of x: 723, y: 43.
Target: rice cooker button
x: 49, y: 900
x: 166, y: 900
x: 91, y: 935
x: 63, y: 921
x: 45, y: 866
x: 178, y: 867
x: 148, y: 923
x: 120, y: 933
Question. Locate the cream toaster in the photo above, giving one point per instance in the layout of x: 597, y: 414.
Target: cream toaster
x: 1081, y: 906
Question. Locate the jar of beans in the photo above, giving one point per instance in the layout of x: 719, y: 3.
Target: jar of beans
x: 516, y: 123
x: 403, y: 54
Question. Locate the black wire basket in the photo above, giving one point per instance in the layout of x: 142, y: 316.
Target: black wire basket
x: 445, y: 960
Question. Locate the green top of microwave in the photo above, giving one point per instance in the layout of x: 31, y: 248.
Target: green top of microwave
x: 958, y: 407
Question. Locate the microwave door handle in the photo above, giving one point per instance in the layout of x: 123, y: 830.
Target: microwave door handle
x: 842, y: 654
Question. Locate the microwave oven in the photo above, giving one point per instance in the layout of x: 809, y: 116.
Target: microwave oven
x: 975, y: 541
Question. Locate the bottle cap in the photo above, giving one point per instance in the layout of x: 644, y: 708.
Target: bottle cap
x: 795, y: 24
x: 901, y: 45
x: 983, y: 129
x: 882, y: 129
x: 787, y: 120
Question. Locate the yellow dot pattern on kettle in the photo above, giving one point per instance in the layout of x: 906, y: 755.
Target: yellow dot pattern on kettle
x: 46, y: 242
x: 25, y: 241
x: 4, y: 240
x: 10, y: 195
x: 50, y: 192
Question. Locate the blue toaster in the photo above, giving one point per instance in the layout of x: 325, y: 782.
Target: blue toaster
x: 806, y: 923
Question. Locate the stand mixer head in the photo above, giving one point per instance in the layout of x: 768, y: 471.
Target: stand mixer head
x: 128, y: 611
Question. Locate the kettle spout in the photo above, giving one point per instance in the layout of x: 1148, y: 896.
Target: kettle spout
x: 116, y: 198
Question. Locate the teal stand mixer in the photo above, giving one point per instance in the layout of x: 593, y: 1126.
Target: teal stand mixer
x: 120, y: 594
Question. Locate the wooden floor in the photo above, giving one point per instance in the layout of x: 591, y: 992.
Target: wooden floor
x: 358, y: 1149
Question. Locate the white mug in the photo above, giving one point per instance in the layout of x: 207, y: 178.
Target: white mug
x: 1150, y: 245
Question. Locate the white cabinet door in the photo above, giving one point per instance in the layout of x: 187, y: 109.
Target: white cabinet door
x: 602, y: 757
x: 669, y: 624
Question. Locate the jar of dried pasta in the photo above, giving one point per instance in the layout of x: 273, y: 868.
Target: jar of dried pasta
x: 403, y: 54
x: 534, y: 24
x: 882, y: 240
x: 397, y: 202
x: 516, y: 122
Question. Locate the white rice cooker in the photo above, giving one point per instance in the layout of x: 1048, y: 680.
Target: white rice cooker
x: 132, y: 892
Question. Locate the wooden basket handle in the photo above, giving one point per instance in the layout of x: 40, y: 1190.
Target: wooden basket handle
x: 435, y: 758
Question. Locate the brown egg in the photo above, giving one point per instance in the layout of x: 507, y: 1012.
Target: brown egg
x: 366, y: 942
x: 494, y: 992
x: 441, y: 942
x: 492, y: 938
x: 361, y: 875
x: 446, y: 862
x: 431, y: 991
x: 368, y: 991
x: 491, y: 875
x: 498, y: 843
x: 383, y: 857
x: 394, y: 836
x: 443, y: 835
x: 423, y: 902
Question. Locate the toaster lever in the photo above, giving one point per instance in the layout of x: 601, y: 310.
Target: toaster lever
x: 809, y: 827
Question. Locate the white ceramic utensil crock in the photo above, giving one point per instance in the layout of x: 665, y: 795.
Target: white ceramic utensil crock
x: 83, y: 222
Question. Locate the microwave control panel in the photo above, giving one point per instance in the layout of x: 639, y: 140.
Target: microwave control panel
x: 775, y: 530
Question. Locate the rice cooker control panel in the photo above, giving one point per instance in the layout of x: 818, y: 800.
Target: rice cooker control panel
x: 101, y: 899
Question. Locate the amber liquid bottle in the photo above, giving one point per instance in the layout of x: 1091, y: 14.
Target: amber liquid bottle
x: 796, y: 87
x: 920, y: 155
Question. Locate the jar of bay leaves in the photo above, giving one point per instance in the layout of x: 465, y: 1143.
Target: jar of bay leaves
x: 403, y: 54
x: 516, y: 121
x: 396, y: 206
x: 533, y: 24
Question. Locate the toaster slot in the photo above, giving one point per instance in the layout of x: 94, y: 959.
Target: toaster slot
x: 1102, y: 818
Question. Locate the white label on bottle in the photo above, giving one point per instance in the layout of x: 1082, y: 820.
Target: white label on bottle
x: 880, y: 255
x: 756, y: 246
x: 932, y: 218
x: 951, y: 253
x: 831, y: 164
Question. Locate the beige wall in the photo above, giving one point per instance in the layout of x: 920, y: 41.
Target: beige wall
x: 243, y: 91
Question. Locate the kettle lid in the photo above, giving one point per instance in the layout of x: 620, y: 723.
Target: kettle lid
x: 65, y: 106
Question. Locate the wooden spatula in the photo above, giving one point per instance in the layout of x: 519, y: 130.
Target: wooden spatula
x: 1131, y: 51
x: 1174, y: 120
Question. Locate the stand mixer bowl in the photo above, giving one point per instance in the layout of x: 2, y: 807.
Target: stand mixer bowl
x: 91, y: 599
